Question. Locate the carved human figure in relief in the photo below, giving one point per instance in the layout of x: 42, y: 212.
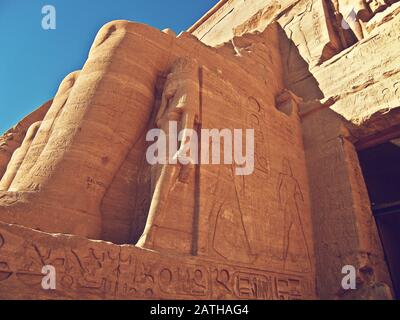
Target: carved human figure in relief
x: 353, y: 15
x: 230, y: 238
x: 180, y: 103
x: 350, y: 15
x: 290, y: 198
x: 179, y: 109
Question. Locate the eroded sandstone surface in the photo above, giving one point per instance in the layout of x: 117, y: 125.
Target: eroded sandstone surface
x: 309, y: 77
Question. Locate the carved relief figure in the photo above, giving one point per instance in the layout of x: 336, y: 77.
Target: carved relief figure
x: 251, y: 189
x: 352, y: 16
x: 179, y: 105
x: 290, y: 198
x: 230, y: 238
x: 256, y: 120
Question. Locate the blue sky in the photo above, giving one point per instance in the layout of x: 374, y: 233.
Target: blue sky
x: 34, y: 61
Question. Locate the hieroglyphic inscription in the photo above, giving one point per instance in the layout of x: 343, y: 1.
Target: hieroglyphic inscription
x: 5, y: 271
x: 228, y: 283
x: 91, y: 270
x: 253, y: 286
x: 184, y: 280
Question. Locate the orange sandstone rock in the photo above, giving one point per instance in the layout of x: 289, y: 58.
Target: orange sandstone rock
x: 79, y: 175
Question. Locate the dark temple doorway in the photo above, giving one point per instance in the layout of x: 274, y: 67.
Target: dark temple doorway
x: 381, y: 168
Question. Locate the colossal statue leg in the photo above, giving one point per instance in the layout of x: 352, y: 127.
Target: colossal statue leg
x: 18, y: 157
x: 44, y: 133
x: 13, y: 138
x: 77, y: 152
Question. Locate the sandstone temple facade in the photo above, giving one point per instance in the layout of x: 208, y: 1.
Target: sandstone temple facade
x: 317, y: 80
